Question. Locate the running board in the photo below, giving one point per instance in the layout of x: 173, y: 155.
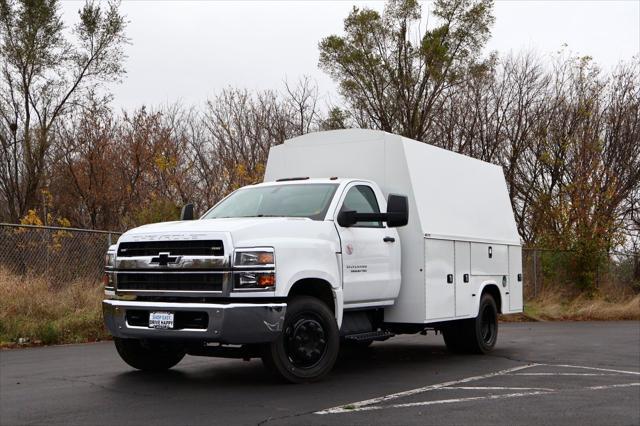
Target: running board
x: 369, y: 336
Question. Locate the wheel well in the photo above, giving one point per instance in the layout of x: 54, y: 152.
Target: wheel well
x: 314, y: 287
x: 493, y: 290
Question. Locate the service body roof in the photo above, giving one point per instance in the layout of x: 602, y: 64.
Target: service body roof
x: 451, y: 195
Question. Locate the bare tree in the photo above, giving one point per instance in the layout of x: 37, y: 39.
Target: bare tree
x: 302, y: 99
x: 43, y: 76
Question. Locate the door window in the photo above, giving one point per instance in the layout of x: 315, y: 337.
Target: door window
x: 362, y: 199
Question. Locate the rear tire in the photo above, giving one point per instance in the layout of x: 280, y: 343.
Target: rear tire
x: 149, y: 355
x: 478, y: 335
x: 307, y: 348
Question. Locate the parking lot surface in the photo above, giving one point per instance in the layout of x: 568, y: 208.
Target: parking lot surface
x: 540, y: 373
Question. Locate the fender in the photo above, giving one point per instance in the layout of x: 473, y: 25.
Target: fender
x: 336, y: 288
x: 481, y: 289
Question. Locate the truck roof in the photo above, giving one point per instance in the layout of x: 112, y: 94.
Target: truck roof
x: 298, y: 180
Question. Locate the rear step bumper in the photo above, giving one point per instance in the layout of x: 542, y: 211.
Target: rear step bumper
x: 233, y: 323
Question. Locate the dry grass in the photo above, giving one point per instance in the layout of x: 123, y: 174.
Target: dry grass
x: 551, y: 306
x: 33, y: 311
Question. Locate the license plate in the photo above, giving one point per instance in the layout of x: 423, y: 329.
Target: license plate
x: 161, y: 320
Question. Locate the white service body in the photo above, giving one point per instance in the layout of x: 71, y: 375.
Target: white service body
x: 460, y: 213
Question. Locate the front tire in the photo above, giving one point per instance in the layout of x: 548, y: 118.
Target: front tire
x: 478, y: 335
x: 149, y: 355
x: 307, y: 348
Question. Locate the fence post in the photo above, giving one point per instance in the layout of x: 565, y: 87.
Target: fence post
x: 109, y: 239
x: 46, y: 253
x: 535, y: 273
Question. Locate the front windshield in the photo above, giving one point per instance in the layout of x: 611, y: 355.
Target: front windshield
x: 291, y: 200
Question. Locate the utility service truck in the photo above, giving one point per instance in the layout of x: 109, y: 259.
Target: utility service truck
x: 354, y: 236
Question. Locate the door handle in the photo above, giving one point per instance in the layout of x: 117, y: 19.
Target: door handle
x: 389, y: 240
x: 450, y: 279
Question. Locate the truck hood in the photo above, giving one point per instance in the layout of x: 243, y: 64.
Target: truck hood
x: 242, y: 232
x: 210, y: 225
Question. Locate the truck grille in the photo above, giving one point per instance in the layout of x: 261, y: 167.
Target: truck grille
x: 170, y: 281
x: 176, y: 248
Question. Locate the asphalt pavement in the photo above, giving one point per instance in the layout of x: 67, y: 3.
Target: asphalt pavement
x: 540, y: 373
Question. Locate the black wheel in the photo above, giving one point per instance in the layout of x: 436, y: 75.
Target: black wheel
x: 307, y: 348
x: 149, y: 355
x: 487, y: 325
x: 478, y: 335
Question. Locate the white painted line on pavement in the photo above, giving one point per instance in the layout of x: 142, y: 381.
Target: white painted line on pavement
x: 624, y: 385
x: 374, y: 403
x: 494, y: 388
x: 440, y: 401
x: 564, y: 374
x: 595, y: 368
x: 392, y: 396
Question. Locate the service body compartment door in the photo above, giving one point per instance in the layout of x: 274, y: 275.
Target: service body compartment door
x: 464, y: 290
x: 489, y: 259
x: 439, y: 279
x: 515, y: 285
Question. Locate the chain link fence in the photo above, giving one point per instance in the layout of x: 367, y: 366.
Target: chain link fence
x: 59, y: 254
x: 65, y: 254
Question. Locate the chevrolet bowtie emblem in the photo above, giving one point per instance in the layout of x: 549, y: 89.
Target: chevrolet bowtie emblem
x: 164, y: 259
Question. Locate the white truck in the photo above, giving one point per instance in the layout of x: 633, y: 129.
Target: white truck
x: 354, y: 236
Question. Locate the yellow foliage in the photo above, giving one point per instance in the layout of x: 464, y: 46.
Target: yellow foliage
x: 31, y: 218
x: 63, y: 222
x: 47, y: 198
x: 241, y: 170
x: 164, y: 162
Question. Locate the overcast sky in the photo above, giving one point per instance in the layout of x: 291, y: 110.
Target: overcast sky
x: 187, y: 50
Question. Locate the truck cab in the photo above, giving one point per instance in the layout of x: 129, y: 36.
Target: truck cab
x: 290, y: 269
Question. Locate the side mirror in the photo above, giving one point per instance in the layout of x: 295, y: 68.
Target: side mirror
x: 347, y: 218
x: 397, y: 214
x: 187, y: 212
x: 397, y: 210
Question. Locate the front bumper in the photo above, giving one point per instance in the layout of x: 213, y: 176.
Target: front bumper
x: 233, y: 323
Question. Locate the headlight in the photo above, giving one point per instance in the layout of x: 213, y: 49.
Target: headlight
x: 254, y: 258
x: 255, y: 269
x: 110, y: 260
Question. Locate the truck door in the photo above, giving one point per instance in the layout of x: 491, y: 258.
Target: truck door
x: 370, y: 252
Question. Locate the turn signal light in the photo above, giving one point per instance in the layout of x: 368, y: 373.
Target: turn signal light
x: 266, y: 280
x: 247, y: 280
x: 106, y: 280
